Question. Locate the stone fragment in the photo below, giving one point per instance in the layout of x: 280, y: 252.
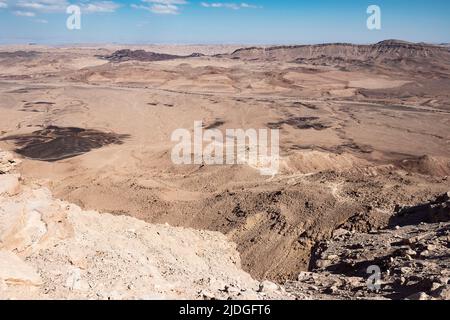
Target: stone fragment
x: 14, y: 271
x: 267, y: 286
x: 9, y: 184
x: 442, y: 293
x: 340, y: 232
x: 419, y: 296
x: 323, y: 263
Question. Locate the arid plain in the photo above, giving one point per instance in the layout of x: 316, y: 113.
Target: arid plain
x: 364, y: 131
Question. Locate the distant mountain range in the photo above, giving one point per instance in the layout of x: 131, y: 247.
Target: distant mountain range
x: 389, y: 52
x: 401, y: 55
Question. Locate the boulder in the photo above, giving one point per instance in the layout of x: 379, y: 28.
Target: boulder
x: 442, y: 292
x: 419, y: 296
x: 14, y: 271
x: 267, y: 286
x: 9, y: 184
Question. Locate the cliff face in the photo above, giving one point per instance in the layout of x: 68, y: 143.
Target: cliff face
x: 384, y: 53
x: 411, y: 258
x: 53, y: 249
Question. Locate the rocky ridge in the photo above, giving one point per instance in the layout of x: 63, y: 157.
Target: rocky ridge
x: 142, y: 55
x: 51, y: 249
x: 388, y: 53
x: 412, y: 257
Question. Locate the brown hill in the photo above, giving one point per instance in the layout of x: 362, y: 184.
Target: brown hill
x: 389, y: 52
x: 142, y: 55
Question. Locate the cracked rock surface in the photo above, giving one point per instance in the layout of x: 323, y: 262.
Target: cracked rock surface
x: 413, y: 259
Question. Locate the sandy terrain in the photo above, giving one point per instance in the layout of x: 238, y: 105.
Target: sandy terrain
x: 364, y: 129
x: 51, y: 249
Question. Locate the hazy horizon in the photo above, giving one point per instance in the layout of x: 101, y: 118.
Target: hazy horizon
x: 257, y: 22
x: 106, y: 44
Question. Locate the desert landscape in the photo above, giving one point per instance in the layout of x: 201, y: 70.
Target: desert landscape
x: 92, y: 206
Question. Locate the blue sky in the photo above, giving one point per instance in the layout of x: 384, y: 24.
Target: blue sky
x: 228, y: 21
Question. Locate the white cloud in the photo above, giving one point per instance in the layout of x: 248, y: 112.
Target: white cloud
x: 164, y: 9
x: 250, y: 6
x: 42, y: 5
x: 101, y: 6
x: 138, y: 6
x: 161, y: 6
x: 3, y: 5
x: 228, y: 5
x: 60, y: 6
x: 24, y: 13
x: 41, y: 21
